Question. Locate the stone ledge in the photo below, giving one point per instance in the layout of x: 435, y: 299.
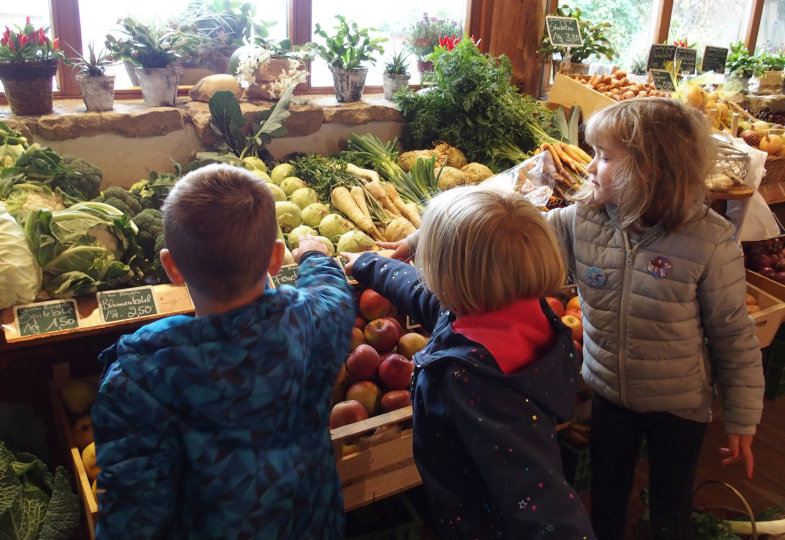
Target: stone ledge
x: 132, y: 118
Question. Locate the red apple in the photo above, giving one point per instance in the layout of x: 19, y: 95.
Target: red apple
x: 362, y: 362
x: 343, y: 378
x: 396, y: 399
x: 360, y: 322
x: 381, y: 334
x: 373, y: 305
x: 347, y: 412
x: 556, y: 305
x: 411, y: 343
x: 575, y: 324
x: 579, y: 348
x: 395, y: 371
x: 367, y: 393
x: 358, y: 337
x: 397, y: 324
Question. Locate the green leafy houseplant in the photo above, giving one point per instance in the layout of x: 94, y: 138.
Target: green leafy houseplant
x: 97, y: 87
x: 398, y: 64
x: 473, y: 106
x: 740, y: 63
x: 92, y: 64
x: 772, y: 61
x: 349, y: 46
x: 146, y: 45
x: 423, y: 36
x: 595, y: 40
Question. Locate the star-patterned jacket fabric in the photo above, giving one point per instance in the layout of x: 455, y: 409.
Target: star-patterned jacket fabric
x: 484, y: 441
x: 217, y: 426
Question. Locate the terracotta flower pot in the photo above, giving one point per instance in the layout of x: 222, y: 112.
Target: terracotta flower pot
x: 28, y: 86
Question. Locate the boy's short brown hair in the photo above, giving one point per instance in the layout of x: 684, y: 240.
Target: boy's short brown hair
x: 482, y: 249
x: 220, y: 227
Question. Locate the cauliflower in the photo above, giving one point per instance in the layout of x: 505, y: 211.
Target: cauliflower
x: 32, y: 196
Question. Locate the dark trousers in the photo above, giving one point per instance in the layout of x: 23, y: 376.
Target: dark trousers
x: 673, y: 446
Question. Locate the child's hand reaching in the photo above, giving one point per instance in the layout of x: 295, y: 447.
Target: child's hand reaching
x: 739, y: 447
x: 401, y: 249
x: 308, y: 243
x: 350, y: 257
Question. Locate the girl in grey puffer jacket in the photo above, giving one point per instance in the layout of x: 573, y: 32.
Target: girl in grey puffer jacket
x: 662, y: 288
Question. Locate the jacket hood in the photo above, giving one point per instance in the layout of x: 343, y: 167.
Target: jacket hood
x: 555, y: 373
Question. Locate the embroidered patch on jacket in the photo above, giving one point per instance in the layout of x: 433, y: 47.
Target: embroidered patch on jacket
x: 660, y: 266
x: 595, y: 277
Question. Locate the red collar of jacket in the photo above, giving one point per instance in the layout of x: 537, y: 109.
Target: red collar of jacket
x: 515, y: 335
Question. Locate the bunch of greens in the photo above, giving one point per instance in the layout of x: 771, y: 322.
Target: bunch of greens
x: 237, y: 141
x: 86, y: 247
x: 473, y: 106
x: 35, y: 504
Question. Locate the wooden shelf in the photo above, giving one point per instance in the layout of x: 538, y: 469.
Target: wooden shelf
x: 170, y: 300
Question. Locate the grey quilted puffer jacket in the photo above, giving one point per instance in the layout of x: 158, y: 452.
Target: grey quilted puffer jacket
x: 664, y: 316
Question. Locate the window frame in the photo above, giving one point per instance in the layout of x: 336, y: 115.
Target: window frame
x: 66, y: 26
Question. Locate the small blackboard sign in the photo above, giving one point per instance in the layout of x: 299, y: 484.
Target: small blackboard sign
x: 342, y: 262
x: 689, y: 59
x: 564, y: 31
x: 46, y: 317
x: 659, y: 54
x: 663, y: 80
x: 124, y: 304
x: 714, y: 59
x: 287, y: 275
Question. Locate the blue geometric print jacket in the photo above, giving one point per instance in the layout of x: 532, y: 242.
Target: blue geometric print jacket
x: 216, y: 426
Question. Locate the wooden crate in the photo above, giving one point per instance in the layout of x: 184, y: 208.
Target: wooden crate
x: 568, y: 92
x: 768, y: 319
x: 60, y: 376
x: 381, y: 464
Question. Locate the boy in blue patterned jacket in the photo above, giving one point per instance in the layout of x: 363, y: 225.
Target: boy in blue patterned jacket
x: 498, y: 373
x: 215, y: 426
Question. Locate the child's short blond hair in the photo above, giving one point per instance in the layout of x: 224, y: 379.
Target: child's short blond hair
x: 482, y: 249
x: 670, y: 152
x: 220, y: 227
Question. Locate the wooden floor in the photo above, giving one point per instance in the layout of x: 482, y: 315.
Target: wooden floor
x: 765, y: 490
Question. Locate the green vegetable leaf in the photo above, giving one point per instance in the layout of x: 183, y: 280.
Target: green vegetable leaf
x: 227, y: 119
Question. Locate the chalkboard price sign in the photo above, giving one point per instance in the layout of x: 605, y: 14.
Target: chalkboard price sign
x: 46, y: 317
x: 689, y: 59
x: 564, y: 31
x: 714, y: 59
x: 287, y: 275
x: 659, y: 55
x: 124, y: 304
x: 663, y: 80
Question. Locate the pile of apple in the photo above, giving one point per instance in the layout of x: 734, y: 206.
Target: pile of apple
x: 570, y: 313
x: 766, y: 257
x: 377, y: 372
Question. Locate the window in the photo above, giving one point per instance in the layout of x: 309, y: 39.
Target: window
x: 771, y: 34
x: 717, y: 23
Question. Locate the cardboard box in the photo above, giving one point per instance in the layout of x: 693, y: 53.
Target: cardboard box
x: 568, y: 92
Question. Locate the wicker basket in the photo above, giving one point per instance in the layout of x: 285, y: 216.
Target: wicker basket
x: 731, y: 161
x: 729, y: 513
x: 775, y: 170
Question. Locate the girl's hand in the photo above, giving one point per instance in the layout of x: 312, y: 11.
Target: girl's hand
x: 401, y: 250
x: 739, y: 447
x: 351, y: 257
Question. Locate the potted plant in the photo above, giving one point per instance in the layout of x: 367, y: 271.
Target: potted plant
x: 396, y: 75
x: 595, y: 43
x: 268, y: 67
x: 423, y: 36
x: 740, y: 65
x: 97, y: 87
x: 344, y: 52
x: 772, y: 66
x: 28, y: 61
x: 220, y: 27
x: 154, y: 52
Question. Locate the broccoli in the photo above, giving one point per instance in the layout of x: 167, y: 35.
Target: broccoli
x: 151, y: 225
x: 82, y: 179
x: 120, y: 199
x: 157, y: 268
x: 152, y: 192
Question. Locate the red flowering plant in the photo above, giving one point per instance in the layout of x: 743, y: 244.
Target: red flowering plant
x: 28, y: 44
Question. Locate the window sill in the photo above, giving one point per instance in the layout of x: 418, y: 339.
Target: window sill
x: 132, y: 140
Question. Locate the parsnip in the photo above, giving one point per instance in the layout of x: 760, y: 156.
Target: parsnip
x: 342, y: 200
